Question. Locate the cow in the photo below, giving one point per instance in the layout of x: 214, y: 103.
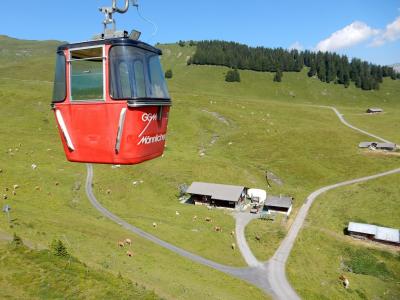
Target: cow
x: 217, y: 229
x: 121, y: 244
x: 208, y: 219
x: 194, y: 218
x: 345, y: 281
x: 232, y: 233
x: 154, y: 224
x: 233, y: 246
x: 129, y: 253
x: 128, y: 242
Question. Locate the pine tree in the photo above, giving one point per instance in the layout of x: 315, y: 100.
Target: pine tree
x: 57, y: 247
x: 16, y: 241
x: 232, y: 76
x: 278, y: 75
x: 312, y: 71
x: 168, y: 74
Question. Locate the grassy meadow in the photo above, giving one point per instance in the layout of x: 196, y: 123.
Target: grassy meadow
x: 322, y: 252
x: 32, y: 274
x: 243, y: 128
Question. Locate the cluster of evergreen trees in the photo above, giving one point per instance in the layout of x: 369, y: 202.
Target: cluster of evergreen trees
x: 328, y: 67
x: 232, y: 76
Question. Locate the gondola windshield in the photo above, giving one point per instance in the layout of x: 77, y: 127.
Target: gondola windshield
x: 136, y: 74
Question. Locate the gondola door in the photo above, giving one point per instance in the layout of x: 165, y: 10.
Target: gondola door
x: 90, y: 122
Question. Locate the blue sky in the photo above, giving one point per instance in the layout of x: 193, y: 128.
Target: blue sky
x: 366, y: 29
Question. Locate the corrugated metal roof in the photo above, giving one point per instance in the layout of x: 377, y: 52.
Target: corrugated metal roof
x: 375, y: 109
x: 388, y: 234
x: 362, y: 228
x: 380, y: 233
x: 365, y: 144
x: 278, y: 201
x: 216, y: 191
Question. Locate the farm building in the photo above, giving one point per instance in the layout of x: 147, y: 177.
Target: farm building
x: 372, y: 232
x: 279, y: 204
x: 257, y: 196
x: 379, y: 146
x: 374, y: 110
x: 220, y: 195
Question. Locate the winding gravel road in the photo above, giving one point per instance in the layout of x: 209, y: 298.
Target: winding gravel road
x: 269, y: 276
x: 276, y: 269
x: 251, y: 275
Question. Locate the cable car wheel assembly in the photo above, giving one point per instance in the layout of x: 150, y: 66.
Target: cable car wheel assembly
x: 110, y: 98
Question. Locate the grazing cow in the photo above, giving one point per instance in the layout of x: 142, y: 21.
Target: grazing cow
x: 121, y: 244
x: 194, y: 218
x: 217, y: 229
x: 14, y: 193
x: 108, y: 192
x: 5, y: 197
x: 232, y: 233
x: 258, y: 238
x: 345, y: 281
x: 177, y: 213
x: 233, y: 246
x: 154, y: 224
x: 16, y: 186
x: 208, y: 219
x: 57, y: 183
x: 128, y: 242
x: 37, y: 188
x: 129, y: 253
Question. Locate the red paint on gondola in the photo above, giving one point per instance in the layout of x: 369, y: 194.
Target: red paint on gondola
x: 90, y: 132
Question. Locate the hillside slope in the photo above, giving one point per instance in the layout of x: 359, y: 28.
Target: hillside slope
x: 243, y: 130
x: 31, y: 274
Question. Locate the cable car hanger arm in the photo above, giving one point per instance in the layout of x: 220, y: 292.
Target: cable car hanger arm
x: 108, y: 12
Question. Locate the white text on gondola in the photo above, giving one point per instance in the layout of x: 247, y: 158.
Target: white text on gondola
x: 152, y: 139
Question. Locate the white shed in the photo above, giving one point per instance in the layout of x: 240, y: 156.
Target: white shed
x: 257, y: 193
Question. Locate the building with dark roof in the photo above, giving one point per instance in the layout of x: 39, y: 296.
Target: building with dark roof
x: 280, y: 204
x: 221, y: 195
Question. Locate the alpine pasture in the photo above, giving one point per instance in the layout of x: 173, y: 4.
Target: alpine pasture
x: 219, y: 132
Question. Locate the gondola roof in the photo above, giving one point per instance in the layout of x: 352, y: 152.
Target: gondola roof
x: 123, y: 41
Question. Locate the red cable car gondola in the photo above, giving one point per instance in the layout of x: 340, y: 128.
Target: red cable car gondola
x: 110, y: 98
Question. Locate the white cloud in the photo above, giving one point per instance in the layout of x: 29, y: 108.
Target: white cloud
x: 296, y: 45
x: 390, y: 34
x: 351, y: 35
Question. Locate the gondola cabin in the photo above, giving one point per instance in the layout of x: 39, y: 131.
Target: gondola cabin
x: 111, y: 101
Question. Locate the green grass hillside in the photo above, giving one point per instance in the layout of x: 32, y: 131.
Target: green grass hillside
x: 243, y: 129
x: 32, y: 274
x: 322, y: 252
